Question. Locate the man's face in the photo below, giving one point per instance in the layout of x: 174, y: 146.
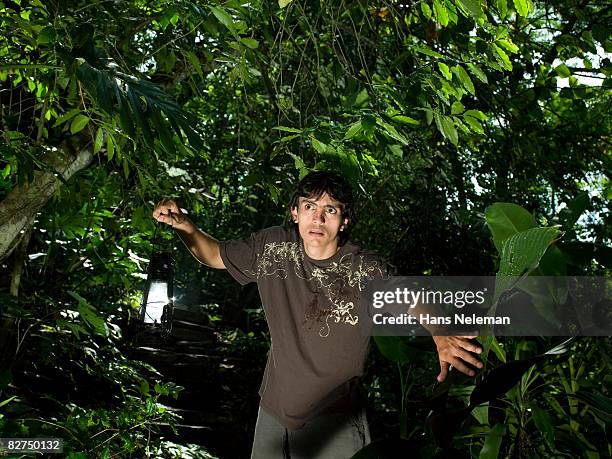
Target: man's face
x: 319, y: 222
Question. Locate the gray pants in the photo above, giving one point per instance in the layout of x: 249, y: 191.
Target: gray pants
x: 330, y: 436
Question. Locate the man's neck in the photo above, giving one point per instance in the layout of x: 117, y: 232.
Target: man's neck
x: 321, y: 253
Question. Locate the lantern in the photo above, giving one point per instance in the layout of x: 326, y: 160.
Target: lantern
x: 157, y: 302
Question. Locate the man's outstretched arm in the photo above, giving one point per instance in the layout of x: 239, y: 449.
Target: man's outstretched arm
x: 203, y: 247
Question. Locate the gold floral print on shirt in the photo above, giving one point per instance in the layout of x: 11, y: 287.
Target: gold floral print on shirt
x: 331, y: 281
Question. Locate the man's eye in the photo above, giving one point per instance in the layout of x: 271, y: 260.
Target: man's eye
x: 331, y: 210
x: 307, y: 206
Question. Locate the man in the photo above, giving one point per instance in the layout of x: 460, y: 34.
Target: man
x: 310, y: 280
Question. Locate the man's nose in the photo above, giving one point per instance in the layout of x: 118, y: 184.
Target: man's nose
x: 319, y: 216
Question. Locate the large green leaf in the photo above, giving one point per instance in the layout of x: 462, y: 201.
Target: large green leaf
x: 502, y: 57
x: 224, y: 17
x: 521, y: 254
x: 523, y: 7
x: 78, y: 123
x: 473, y: 7
x: 563, y: 71
x: 440, y: 12
x: 446, y: 127
x: 505, y: 219
x: 493, y: 440
x: 464, y: 78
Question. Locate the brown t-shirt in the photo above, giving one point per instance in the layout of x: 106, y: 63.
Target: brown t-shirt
x: 313, y: 308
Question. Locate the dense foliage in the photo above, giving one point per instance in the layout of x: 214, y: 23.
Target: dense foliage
x: 435, y: 110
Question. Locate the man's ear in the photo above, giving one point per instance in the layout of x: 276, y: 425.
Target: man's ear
x: 294, y: 214
x: 345, y: 223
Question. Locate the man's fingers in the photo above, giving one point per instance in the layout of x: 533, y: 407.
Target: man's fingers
x: 472, y: 347
x: 469, y: 358
x: 443, y: 371
x: 166, y: 211
x: 462, y: 367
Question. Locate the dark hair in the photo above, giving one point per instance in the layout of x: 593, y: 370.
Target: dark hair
x: 313, y: 185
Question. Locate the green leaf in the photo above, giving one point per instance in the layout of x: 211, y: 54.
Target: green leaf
x: 478, y: 73
x: 88, y: 314
x: 476, y: 114
x: 287, y: 138
x: 502, y: 8
x: 429, y: 52
x: 521, y: 254
x: 505, y: 219
x: 144, y: 387
x: 508, y: 45
x: 250, y: 43
x: 299, y: 165
x: 473, y: 7
x: 523, y: 7
x: 502, y: 57
x: 563, y: 71
x: 428, y: 116
x: 404, y: 119
x: 474, y: 124
x: 197, y: 66
x: 224, y: 18
x: 426, y: 10
x: 353, y: 130
x: 284, y: 3
x: 78, y: 123
x: 440, y: 12
x: 110, y: 146
x: 361, y: 98
x: 391, y: 132
x: 319, y: 146
x: 498, y: 350
x: 490, y: 449
x: 67, y: 116
x: 464, y: 78
x: 457, y: 108
x: 287, y: 129
x: 445, y: 70
x: 98, y: 140
x: 446, y: 127
x: 7, y: 401
x: 544, y: 423
x: 46, y: 35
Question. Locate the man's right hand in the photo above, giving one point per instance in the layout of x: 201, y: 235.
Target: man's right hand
x: 202, y: 246
x: 167, y: 211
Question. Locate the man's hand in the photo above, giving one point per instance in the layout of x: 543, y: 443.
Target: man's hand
x: 202, y: 246
x: 167, y: 211
x: 456, y: 351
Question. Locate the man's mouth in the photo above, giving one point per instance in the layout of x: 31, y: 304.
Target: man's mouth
x: 315, y: 232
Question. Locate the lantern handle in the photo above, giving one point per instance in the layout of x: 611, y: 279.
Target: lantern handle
x: 158, y: 241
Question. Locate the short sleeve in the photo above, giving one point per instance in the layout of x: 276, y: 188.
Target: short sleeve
x: 240, y: 256
x: 378, y: 277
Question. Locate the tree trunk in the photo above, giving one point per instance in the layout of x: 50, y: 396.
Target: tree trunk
x: 20, y: 207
